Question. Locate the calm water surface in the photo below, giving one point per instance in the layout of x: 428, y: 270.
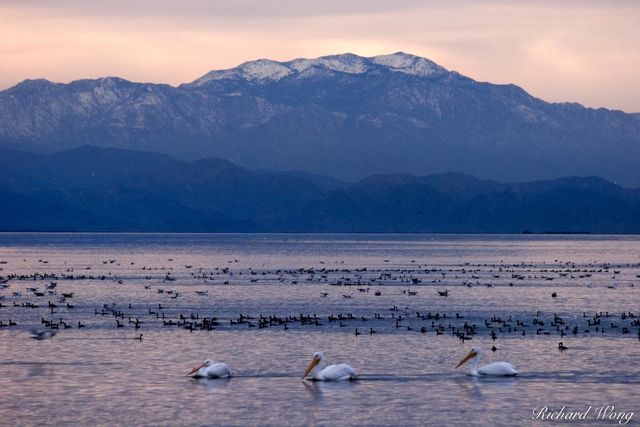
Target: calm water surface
x: 101, y: 375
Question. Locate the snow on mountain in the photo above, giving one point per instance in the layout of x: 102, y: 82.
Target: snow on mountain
x: 265, y: 70
x: 261, y: 69
x: 410, y: 64
x: 346, y: 63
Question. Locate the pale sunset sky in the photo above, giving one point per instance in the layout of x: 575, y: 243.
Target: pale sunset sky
x: 584, y: 51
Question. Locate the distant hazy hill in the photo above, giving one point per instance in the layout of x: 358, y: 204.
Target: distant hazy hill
x: 106, y: 189
x: 344, y: 116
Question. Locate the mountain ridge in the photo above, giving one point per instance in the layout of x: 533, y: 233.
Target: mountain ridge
x: 107, y: 189
x: 267, y: 70
x: 344, y: 116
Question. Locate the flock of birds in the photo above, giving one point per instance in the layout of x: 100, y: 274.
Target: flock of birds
x: 36, y: 302
x: 212, y: 370
x: 316, y: 371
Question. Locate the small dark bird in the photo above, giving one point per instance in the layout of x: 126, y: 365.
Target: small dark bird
x: 562, y: 347
x: 553, y: 295
x: 494, y: 348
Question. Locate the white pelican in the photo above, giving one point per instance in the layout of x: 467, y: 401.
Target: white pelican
x: 209, y: 369
x: 338, y: 372
x: 492, y: 369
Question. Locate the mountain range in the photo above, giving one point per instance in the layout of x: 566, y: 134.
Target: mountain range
x: 108, y: 189
x: 342, y: 116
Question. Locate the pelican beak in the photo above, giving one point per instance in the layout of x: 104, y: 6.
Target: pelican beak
x: 471, y: 355
x: 312, y: 365
x: 194, y: 370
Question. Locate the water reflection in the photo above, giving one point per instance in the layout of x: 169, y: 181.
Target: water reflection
x: 314, y: 390
x: 406, y: 378
x: 211, y: 384
x: 36, y: 371
x: 475, y: 387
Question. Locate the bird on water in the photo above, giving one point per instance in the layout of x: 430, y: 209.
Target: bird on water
x: 337, y: 372
x: 211, y: 369
x: 492, y: 369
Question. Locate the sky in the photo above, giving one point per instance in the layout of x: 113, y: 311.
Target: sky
x: 584, y: 51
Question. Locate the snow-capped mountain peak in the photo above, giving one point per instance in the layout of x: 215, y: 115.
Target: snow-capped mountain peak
x: 265, y: 70
x: 409, y: 64
x: 261, y: 69
x: 345, y: 63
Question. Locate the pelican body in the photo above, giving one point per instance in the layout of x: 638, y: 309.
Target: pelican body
x: 210, y: 369
x: 338, y: 372
x: 496, y: 369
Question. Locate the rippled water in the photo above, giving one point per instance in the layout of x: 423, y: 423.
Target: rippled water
x: 100, y: 375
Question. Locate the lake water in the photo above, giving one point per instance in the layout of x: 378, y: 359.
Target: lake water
x: 385, y: 286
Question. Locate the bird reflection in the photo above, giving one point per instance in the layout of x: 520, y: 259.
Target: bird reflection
x: 212, y: 384
x: 315, y: 391
x: 36, y: 370
x: 471, y: 388
x: 318, y: 389
x: 474, y: 386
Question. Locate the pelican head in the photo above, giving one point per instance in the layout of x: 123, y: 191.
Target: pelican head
x: 315, y: 361
x: 206, y: 363
x: 475, y: 352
